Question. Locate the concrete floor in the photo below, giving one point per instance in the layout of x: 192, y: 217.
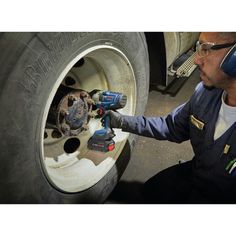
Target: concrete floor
x: 151, y: 156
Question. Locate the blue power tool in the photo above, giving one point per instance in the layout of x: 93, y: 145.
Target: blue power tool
x: 102, y: 140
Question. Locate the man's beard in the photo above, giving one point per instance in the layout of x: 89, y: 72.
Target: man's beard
x: 209, y: 87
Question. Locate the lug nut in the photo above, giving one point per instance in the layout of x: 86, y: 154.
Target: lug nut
x: 65, y: 127
x: 83, y: 95
x: 91, y: 115
x: 71, y: 100
x: 85, y: 127
x: 90, y: 101
x: 64, y: 112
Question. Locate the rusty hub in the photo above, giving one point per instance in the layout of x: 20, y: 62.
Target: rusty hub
x: 73, y: 112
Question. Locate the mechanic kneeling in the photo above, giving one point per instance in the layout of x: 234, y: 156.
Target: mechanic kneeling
x: 208, y: 121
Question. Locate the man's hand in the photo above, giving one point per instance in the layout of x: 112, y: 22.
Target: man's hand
x: 115, y: 119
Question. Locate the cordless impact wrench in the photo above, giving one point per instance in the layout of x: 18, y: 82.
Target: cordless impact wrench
x: 102, y: 140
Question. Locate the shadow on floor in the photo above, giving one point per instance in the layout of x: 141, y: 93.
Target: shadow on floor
x: 126, y: 193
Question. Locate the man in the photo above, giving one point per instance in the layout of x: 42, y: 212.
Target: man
x: 208, y: 120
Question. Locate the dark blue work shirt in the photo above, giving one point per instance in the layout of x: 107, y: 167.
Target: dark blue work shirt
x: 195, y: 121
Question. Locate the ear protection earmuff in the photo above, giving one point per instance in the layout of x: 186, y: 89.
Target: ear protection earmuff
x: 228, y: 64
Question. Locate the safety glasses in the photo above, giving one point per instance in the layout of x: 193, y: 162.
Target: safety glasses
x: 203, y: 49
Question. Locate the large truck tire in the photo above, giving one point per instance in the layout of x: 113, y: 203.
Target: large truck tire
x: 38, y: 164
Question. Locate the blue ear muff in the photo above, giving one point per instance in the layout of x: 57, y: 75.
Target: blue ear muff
x: 228, y: 65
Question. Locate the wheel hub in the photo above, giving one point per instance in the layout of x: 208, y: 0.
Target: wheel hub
x: 74, y: 113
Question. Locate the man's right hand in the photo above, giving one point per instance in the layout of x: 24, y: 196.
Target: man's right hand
x: 115, y: 119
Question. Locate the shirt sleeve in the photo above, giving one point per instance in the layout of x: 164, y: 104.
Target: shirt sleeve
x: 173, y: 127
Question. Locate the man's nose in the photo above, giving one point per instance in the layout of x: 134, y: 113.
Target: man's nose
x: 198, y: 60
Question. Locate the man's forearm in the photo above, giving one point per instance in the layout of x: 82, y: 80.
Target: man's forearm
x: 153, y: 127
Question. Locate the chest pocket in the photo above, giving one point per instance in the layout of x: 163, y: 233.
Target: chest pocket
x: 228, y: 160
x: 197, y: 133
x: 225, y: 165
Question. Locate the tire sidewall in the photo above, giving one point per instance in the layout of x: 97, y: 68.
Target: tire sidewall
x: 24, y: 98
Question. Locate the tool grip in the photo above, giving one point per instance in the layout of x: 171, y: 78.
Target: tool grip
x: 107, y: 122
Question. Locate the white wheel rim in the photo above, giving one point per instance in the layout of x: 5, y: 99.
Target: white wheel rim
x: 105, y: 68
